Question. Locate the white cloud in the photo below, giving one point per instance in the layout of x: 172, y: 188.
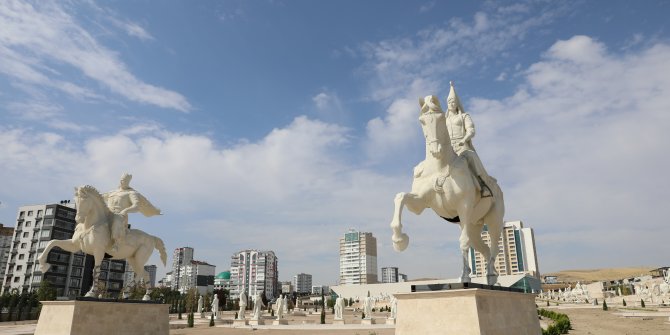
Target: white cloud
x: 38, y: 39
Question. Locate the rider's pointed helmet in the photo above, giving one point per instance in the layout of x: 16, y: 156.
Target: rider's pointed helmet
x: 453, y: 95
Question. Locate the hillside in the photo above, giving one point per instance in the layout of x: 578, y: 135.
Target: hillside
x: 590, y: 275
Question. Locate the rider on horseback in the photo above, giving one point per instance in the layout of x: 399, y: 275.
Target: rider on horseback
x: 123, y: 201
x: 461, y: 131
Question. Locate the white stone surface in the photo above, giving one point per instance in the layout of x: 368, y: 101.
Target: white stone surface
x: 258, y: 307
x: 215, y: 306
x: 243, y: 306
x: 453, y: 185
x: 339, y: 308
x: 102, y: 228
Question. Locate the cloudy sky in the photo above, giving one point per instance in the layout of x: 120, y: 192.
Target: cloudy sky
x: 279, y: 125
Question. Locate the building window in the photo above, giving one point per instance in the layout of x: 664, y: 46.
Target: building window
x: 37, y: 278
x: 28, y: 224
x: 25, y: 234
x: 21, y: 256
x: 117, y: 266
x: 75, y: 282
x: 21, y: 215
x: 78, y: 260
x: 30, y: 213
x: 50, y: 211
x: 39, y: 213
x: 76, y: 272
x: 45, y: 233
x: 23, y: 245
x: 16, y: 279
x: 19, y: 267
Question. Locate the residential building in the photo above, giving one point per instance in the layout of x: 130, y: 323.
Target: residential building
x: 321, y: 289
x: 70, y: 274
x: 254, y: 271
x: 287, y: 287
x: 358, y: 258
x: 222, y: 281
x: 166, y: 281
x: 151, y: 271
x: 180, y: 257
x: 197, y: 274
x: 517, y: 252
x: 390, y: 274
x: 302, y: 282
x: 6, y: 234
x: 402, y: 277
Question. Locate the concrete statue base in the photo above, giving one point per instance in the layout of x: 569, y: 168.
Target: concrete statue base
x: 390, y: 321
x: 256, y: 322
x: 467, y: 312
x: 281, y: 322
x: 240, y: 323
x: 370, y: 321
x: 77, y: 317
x: 338, y: 322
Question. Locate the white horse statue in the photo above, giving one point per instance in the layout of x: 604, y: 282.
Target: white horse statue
x: 445, y: 183
x: 92, y: 236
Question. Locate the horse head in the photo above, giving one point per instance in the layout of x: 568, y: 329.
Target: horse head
x: 89, y: 202
x: 433, y: 124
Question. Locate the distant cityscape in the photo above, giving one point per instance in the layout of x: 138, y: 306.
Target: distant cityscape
x: 251, y: 271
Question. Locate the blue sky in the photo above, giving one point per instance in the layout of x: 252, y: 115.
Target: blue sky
x: 281, y: 124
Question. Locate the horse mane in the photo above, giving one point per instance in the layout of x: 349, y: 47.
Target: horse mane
x: 91, y: 190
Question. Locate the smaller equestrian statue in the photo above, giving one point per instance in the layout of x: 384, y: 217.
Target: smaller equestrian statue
x: 102, y: 228
x: 453, y: 183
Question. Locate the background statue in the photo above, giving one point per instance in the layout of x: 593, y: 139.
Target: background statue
x: 445, y: 182
x: 215, y: 306
x: 394, y: 307
x: 92, y: 235
x: 200, y: 305
x: 258, y: 307
x: 339, y: 308
x: 243, y: 306
x: 280, y: 307
x: 367, y: 307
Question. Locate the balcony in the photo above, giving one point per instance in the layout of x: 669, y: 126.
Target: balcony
x: 38, y: 218
x: 34, y: 239
x: 36, y: 228
x: 14, y: 252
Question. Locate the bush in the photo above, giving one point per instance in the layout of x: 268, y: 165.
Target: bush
x: 547, y: 303
x: 561, y: 323
x: 363, y: 315
x: 191, y: 320
x: 642, y: 303
x: 624, y: 302
x: 211, y: 320
x: 235, y: 315
x: 604, y: 305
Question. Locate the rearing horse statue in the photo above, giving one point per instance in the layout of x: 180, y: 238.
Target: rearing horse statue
x: 92, y: 236
x: 445, y: 183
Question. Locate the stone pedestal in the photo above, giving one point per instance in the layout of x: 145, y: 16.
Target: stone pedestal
x: 76, y: 317
x: 338, y: 322
x: 390, y: 321
x: 256, y: 322
x: 240, y: 323
x: 467, y: 312
x: 280, y: 322
x: 370, y: 321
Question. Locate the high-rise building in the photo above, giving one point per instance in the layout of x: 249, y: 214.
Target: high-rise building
x: 70, y: 274
x: 358, y: 258
x: 287, y: 287
x: 180, y: 257
x: 6, y: 234
x: 254, y: 271
x: 197, y: 274
x: 302, y: 282
x: 390, y: 274
x: 517, y: 252
x: 151, y: 270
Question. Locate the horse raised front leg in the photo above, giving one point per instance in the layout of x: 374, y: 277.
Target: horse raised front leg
x: 400, y: 239
x: 67, y: 245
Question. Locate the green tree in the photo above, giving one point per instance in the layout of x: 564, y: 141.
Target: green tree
x: 642, y: 303
x: 46, y: 291
x: 211, y: 320
x: 624, y: 302
x: 604, y: 305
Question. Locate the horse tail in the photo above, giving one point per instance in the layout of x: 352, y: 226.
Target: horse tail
x: 158, y: 244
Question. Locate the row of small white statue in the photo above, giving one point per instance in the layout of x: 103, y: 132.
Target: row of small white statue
x: 280, y: 304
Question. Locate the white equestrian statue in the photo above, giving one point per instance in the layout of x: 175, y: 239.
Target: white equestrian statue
x: 92, y: 236
x: 445, y: 183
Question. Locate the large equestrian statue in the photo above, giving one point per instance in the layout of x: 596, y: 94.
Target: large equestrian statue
x: 97, y: 232
x: 453, y: 183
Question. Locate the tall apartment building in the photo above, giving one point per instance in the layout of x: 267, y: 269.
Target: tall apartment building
x: 6, y: 234
x: 254, y: 271
x: 70, y: 274
x: 130, y: 275
x: 358, y: 258
x: 180, y: 257
x: 517, y: 252
x: 151, y: 270
x: 390, y: 274
x: 302, y: 282
x: 197, y: 274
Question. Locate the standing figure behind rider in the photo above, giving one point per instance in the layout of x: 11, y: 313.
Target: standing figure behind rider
x: 123, y: 201
x: 461, y: 131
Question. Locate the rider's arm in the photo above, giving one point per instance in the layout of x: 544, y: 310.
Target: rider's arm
x: 469, y: 128
x: 134, y: 204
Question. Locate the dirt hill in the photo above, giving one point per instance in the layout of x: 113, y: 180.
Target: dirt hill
x: 590, y: 275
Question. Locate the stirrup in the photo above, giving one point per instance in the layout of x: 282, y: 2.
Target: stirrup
x: 486, y: 192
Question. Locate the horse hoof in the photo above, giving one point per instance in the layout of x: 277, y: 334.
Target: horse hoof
x: 402, y: 243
